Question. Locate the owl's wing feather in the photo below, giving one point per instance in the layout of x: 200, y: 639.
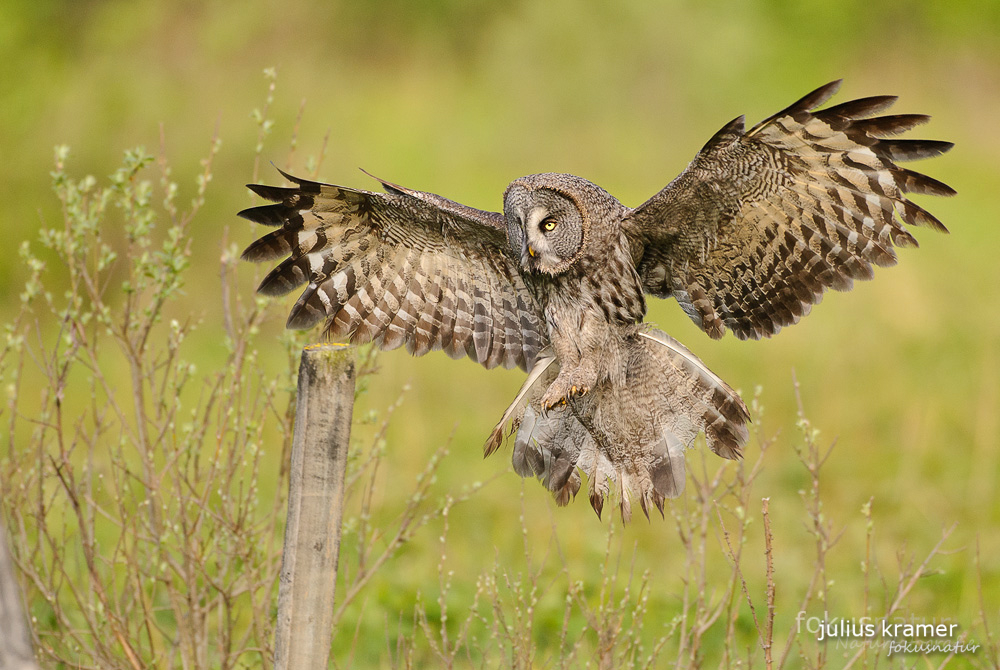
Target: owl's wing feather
x: 399, y: 268
x: 762, y: 222
x: 539, y: 377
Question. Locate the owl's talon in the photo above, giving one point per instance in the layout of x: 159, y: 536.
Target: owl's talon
x: 548, y: 403
x: 563, y: 390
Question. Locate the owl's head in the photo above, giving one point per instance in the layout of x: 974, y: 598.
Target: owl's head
x: 551, y: 219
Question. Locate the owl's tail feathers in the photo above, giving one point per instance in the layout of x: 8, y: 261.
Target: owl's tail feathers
x: 548, y: 443
x: 555, y: 447
x: 694, y: 399
x: 628, y: 440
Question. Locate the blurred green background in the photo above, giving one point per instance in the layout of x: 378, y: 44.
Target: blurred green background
x: 460, y: 97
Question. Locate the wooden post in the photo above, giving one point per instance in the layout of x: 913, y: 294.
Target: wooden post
x: 315, y: 500
x: 15, y: 636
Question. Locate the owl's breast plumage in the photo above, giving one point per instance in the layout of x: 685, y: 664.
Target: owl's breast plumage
x: 591, y: 308
x: 602, y: 282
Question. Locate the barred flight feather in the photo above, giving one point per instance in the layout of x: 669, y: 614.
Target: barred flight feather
x: 809, y: 201
x: 401, y: 268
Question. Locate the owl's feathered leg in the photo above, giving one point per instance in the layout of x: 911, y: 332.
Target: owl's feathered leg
x: 576, y: 376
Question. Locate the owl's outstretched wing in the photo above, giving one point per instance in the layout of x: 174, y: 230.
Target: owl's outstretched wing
x: 401, y: 267
x: 762, y: 222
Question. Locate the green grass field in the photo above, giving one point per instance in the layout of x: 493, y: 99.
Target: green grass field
x: 901, y: 376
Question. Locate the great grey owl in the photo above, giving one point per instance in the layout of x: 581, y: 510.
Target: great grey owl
x: 747, y: 238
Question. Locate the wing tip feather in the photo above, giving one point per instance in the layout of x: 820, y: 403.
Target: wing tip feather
x: 815, y: 98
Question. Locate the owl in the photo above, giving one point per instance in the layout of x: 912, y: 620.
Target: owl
x: 747, y: 238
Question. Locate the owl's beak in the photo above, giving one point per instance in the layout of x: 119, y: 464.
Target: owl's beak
x: 531, y: 251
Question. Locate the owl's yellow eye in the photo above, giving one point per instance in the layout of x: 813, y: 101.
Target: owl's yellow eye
x: 548, y: 225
